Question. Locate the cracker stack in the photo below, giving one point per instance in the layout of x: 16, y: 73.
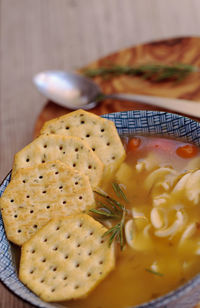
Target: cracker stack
x: 66, y: 259
x: 64, y: 252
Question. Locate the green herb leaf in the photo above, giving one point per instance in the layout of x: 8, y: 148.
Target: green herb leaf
x: 112, y: 209
x: 119, y: 192
x: 110, y: 200
x: 151, y: 72
x: 154, y: 272
x: 104, y: 213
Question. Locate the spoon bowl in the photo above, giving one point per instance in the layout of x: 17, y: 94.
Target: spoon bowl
x: 70, y: 90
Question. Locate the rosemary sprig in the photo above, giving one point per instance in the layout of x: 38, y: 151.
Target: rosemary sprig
x: 151, y: 72
x: 113, y: 209
x: 119, y: 192
x: 154, y: 272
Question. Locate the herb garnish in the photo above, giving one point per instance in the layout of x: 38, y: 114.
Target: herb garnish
x: 154, y: 272
x: 113, y: 209
x: 151, y: 72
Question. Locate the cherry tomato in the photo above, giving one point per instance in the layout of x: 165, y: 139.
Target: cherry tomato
x: 133, y: 144
x: 187, y: 151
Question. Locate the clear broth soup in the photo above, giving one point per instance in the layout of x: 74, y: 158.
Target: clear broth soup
x: 161, y: 180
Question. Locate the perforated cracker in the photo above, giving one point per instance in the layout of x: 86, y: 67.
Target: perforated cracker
x: 100, y: 134
x: 37, y: 194
x: 71, y: 150
x: 66, y: 259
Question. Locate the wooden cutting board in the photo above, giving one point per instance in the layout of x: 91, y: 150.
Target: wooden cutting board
x: 176, y: 50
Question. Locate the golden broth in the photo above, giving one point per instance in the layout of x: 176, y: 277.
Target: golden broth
x: 158, y: 264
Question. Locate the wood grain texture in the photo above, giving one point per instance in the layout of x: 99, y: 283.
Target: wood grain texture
x: 68, y: 34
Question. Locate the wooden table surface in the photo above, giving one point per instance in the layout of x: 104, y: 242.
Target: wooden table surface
x: 67, y: 34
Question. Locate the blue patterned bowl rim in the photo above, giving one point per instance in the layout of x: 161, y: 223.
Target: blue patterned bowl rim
x: 127, y: 123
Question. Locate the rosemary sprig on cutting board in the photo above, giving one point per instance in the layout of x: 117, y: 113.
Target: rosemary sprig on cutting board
x: 151, y: 72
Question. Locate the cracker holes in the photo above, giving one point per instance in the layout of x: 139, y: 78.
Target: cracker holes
x: 89, y: 167
x: 33, y: 251
x: 101, y: 262
x: 76, y: 150
x: 45, y: 240
x: 91, y: 233
x: 12, y: 200
x: 80, y: 225
x: 90, y: 253
x: 31, y: 271
x: 42, y: 281
x: 55, y: 248
x: 76, y: 287
x: 77, y: 265
x: 87, y: 136
x: 113, y: 157
x: 89, y: 274
x: 45, y: 146
x: 82, y: 122
x: 76, y: 183
x: 31, y: 212
x: 108, y: 143
x: 102, y: 241
x: 60, y: 147
x: 35, y: 226
x: 57, y: 228
x: 48, y: 207
x: 19, y: 230
x: 27, y: 160
x: 65, y: 278
x: 56, y: 172
x: 67, y: 127
x: 80, y: 197
x: 52, y: 131
x: 78, y: 245
x: 54, y: 269
x: 102, y: 130
x: 93, y: 149
x: 44, y: 191
x: 53, y: 290
x: 27, y: 196
x: 64, y: 202
x: 74, y: 165
x: 24, y: 181
x: 43, y: 260
x: 100, y: 273
x: 40, y: 177
x: 61, y: 187
x: 68, y: 236
x: 66, y: 257
x: 15, y: 216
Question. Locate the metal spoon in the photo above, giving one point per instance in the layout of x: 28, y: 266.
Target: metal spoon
x: 75, y: 91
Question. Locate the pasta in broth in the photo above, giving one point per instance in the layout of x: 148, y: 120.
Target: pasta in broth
x: 161, y: 180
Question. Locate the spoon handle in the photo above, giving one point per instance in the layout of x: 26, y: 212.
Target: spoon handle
x: 180, y: 105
